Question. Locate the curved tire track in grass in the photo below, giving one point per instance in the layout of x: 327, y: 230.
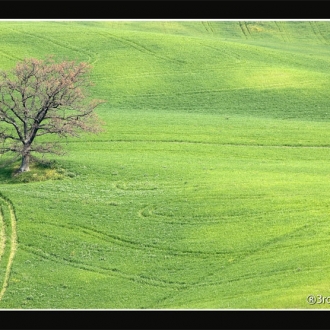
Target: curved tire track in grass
x: 103, y: 270
x: 131, y: 244
x: 152, y: 212
x: 12, y: 241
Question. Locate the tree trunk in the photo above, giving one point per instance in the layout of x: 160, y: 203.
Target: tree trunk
x: 25, y: 161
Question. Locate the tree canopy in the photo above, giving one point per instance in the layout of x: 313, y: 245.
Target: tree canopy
x: 39, y: 97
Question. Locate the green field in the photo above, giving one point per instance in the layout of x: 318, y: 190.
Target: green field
x: 209, y: 187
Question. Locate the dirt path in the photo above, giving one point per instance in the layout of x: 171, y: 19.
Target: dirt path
x: 10, y: 241
x: 2, y: 234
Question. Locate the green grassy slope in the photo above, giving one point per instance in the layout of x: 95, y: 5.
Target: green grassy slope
x: 209, y: 186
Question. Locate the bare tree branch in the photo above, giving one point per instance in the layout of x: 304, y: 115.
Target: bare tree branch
x: 40, y: 97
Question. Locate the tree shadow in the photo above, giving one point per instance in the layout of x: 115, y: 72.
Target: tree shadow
x: 6, y: 173
x: 40, y: 170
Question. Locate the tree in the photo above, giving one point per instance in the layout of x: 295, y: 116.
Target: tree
x: 40, y: 97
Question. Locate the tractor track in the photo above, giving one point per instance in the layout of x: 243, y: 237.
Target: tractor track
x: 7, y: 244
x: 2, y: 234
x: 317, y: 31
x: 247, y: 29
x: 205, y: 26
x: 283, y: 33
x: 103, y: 270
x: 139, y: 47
x: 135, y: 245
x: 92, y: 57
x: 208, y: 27
x: 243, y: 28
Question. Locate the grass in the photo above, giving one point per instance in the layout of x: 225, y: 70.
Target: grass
x: 209, y: 186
